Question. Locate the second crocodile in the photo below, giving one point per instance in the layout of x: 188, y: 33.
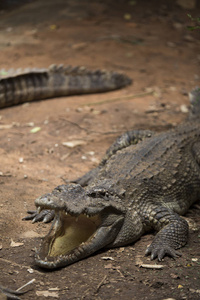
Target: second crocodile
x: 19, y: 86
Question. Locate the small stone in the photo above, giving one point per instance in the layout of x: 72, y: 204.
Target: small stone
x: 171, y: 44
x: 184, y: 109
x: 9, y: 29
x: 172, y: 88
x: 186, y: 4
x: 79, y: 46
x: 30, y: 124
x: 79, y: 109
x: 178, y: 26
x: 91, y: 153
x: 31, y: 271
x: 189, y: 38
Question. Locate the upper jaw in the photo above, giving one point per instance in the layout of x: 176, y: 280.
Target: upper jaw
x: 59, y: 204
x: 76, y: 200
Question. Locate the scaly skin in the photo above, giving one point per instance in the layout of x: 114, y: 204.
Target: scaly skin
x: 36, y: 84
x: 145, y: 182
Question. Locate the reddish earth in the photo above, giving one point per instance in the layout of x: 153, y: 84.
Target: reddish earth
x: 157, y: 51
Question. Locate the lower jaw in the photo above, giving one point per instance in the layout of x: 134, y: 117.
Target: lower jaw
x: 65, y: 241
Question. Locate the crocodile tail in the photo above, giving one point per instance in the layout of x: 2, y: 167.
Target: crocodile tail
x: 36, y: 84
x: 194, y: 97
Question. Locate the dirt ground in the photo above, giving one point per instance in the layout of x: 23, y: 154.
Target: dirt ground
x: 147, y: 40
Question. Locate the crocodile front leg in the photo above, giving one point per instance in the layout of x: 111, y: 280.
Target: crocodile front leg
x: 172, y: 232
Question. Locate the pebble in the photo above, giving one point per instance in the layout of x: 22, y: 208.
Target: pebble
x: 184, y: 109
x: 178, y: 26
x: 171, y: 44
x: 189, y: 38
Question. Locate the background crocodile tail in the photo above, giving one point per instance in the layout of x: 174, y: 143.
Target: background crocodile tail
x: 194, y: 97
x: 36, y: 84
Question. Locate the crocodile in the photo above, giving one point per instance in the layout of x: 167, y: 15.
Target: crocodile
x: 19, y: 86
x: 145, y: 182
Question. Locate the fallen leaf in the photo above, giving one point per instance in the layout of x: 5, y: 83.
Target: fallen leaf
x: 53, y: 27
x: 3, y: 73
x: 194, y: 291
x: 180, y: 286
x: 13, y: 244
x: 91, y: 153
x: 35, y: 129
x: 107, y: 258
x: 30, y: 124
x: 108, y: 266
x: 174, y: 276
x: 30, y: 234
x: 6, y: 126
x: 121, y: 249
x: 194, y: 259
x: 47, y: 294
x: 73, y: 143
x: 127, y: 17
x: 138, y: 260
x: 147, y: 266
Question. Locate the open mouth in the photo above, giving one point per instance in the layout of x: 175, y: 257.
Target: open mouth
x: 70, y: 239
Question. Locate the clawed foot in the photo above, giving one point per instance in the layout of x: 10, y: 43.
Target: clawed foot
x: 45, y: 216
x: 161, y: 250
